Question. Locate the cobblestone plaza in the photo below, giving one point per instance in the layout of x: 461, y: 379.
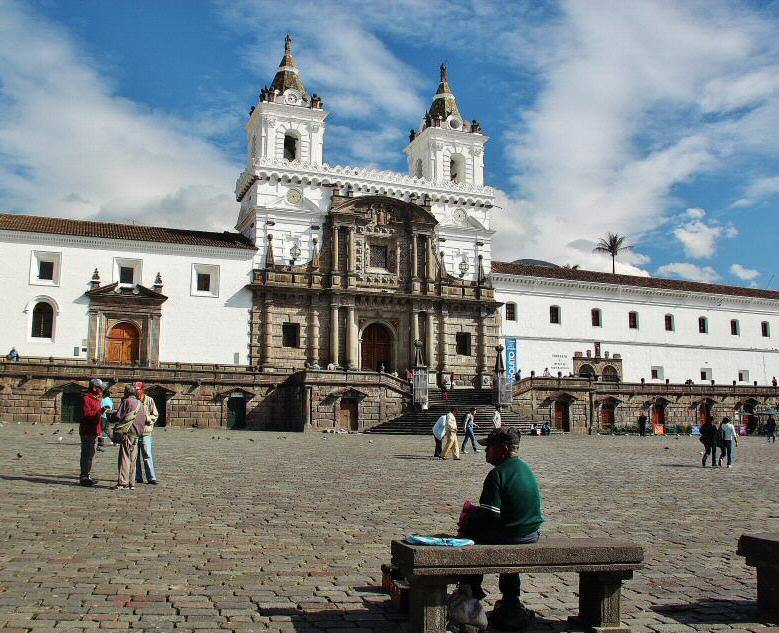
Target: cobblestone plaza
x: 286, y: 532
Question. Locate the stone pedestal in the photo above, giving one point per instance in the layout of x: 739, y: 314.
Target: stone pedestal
x: 762, y: 551
x: 599, y: 600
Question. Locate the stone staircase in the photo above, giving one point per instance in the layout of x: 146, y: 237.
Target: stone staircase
x: 414, y: 422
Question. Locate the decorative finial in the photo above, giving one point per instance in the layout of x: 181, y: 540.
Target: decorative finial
x: 288, y: 44
x: 443, y: 73
x: 158, y: 282
x: 95, y: 281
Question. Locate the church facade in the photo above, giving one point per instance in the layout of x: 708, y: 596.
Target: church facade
x: 337, y: 283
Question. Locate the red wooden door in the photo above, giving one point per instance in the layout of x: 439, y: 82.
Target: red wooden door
x: 376, y: 348
x: 123, y: 344
x: 607, y: 415
x: 561, y: 416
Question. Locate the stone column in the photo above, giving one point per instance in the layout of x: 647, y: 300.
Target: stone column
x: 414, y: 334
x: 442, y: 338
x: 430, y: 272
x: 334, y: 333
x: 352, y: 251
x: 267, y: 332
x: 429, y: 340
x: 351, y: 337
x: 314, y: 342
x: 414, y: 257
x: 482, y: 365
x: 334, y: 255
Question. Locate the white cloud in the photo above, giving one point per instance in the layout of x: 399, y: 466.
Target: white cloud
x: 72, y: 147
x: 686, y: 270
x: 758, y: 190
x: 742, y: 272
x: 698, y: 237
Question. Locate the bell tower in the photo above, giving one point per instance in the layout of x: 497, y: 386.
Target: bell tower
x: 287, y: 123
x: 448, y: 147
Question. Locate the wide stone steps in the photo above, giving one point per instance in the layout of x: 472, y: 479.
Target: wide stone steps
x: 414, y: 422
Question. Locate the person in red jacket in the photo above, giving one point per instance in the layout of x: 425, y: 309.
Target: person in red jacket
x: 90, y: 428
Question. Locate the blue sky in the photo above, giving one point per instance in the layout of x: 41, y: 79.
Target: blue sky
x: 649, y: 118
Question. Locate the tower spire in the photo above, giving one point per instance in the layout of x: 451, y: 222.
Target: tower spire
x: 444, y: 102
x: 288, y: 77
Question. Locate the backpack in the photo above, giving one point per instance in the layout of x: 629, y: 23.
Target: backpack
x: 123, y: 427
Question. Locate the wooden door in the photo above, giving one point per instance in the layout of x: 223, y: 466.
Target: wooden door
x: 658, y: 419
x: 236, y: 413
x: 123, y: 344
x: 607, y: 415
x: 347, y: 416
x: 376, y: 348
x: 561, y: 416
x: 72, y: 407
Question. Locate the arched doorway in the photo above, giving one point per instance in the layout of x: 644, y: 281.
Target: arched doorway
x: 71, y: 407
x: 376, y: 348
x: 123, y: 344
x: 610, y: 374
x: 348, y: 414
x: 562, y: 415
x: 607, y: 410
x: 658, y: 416
x: 748, y: 417
x: 586, y: 371
x: 236, y: 412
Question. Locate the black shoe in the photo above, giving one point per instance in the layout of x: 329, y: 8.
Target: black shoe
x: 511, y: 617
x: 139, y: 481
x: 86, y: 482
x: 153, y: 482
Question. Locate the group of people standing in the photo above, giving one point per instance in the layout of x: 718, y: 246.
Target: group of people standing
x: 133, y: 424
x: 445, y: 432
x: 719, y: 436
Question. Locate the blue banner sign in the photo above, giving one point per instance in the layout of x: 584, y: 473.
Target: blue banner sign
x: 511, y: 358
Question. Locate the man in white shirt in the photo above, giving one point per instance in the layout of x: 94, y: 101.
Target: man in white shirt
x: 730, y: 437
x: 496, y: 422
x: 439, y: 431
x: 450, y: 441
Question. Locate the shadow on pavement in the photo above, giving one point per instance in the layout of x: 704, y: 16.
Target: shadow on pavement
x: 713, y: 611
x: 37, y: 479
x: 413, y: 457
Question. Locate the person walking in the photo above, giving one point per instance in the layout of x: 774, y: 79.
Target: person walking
x: 89, y: 428
x: 130, y: 420
x: 709, y: 440
x: 730, y: 436
x: 439, y: 431
x: 145, y: 460
x: 450, y: 440
x: 770, y: 429
x: 470, y: 428
x: 496, y: 421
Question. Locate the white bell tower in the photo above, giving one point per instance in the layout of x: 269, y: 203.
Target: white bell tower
x: 287, y: 123
x: 448, y: 148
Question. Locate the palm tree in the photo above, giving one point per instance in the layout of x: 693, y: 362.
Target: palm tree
x: 572, y: 266
x: 612, y: 244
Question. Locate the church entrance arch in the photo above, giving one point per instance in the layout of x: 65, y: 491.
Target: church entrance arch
x: 123, y: 344
x: 562, y: 415
x: 376, y: 348
x: 348, y: 414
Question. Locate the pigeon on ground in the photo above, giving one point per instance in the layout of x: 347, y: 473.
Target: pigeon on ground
x: 18, y: 456
x: 60, y: 438
x: 251, y: 440
x: 71, y: 431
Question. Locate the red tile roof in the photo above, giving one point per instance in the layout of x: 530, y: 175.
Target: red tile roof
x: 115, y: 231
x: 507, y: 268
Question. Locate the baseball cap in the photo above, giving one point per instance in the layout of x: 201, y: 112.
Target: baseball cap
x: 506, y: 437
x: 96, y: 382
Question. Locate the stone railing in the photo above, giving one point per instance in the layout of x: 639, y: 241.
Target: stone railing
x: 338, y: 174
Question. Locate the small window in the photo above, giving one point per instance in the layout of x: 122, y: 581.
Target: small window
x: 291, y: 146
x: 703, y: 325
x: 203, y: 282
x: 706, y: 374
x: 669, y: 322
x: 378, y: 256
x: 511, y: 312
x: 46, y: 270
x: 418, y: 168
x: 554, y: 315
x: 127, y: 271
x: 290, y: 335
x: 658, y: 373
x: 126, y: 275
x: 595, y: 315
x: 42, y: 321
x: 633, y: 320
x: 463, y: 340
x: 734, y: 327
x: 743, y: 375
x: 765, y: 329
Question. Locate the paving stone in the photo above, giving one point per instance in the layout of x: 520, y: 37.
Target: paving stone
x: 287, y: 533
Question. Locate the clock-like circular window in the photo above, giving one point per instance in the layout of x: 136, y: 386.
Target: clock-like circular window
x: 455, y: 123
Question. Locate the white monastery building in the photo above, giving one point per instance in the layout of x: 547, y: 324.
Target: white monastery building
x: 347, y: 268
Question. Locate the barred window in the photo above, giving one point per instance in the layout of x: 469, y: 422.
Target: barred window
x: 378, y: 256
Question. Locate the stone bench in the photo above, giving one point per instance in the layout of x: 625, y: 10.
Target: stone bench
x: 602, y: 565
x: 762, y: 551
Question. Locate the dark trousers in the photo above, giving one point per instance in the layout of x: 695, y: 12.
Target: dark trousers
x: 87, y: 454
x: 710, y: 448
x: 469, y: 435
x: 727, y: 451
x: 437, y: 447
x: 771, y: 435
x: 508, y: 584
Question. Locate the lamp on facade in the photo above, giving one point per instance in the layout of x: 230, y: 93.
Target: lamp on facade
x: 463, y: 267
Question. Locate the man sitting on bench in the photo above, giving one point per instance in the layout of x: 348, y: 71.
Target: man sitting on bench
x: 509, y: 514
